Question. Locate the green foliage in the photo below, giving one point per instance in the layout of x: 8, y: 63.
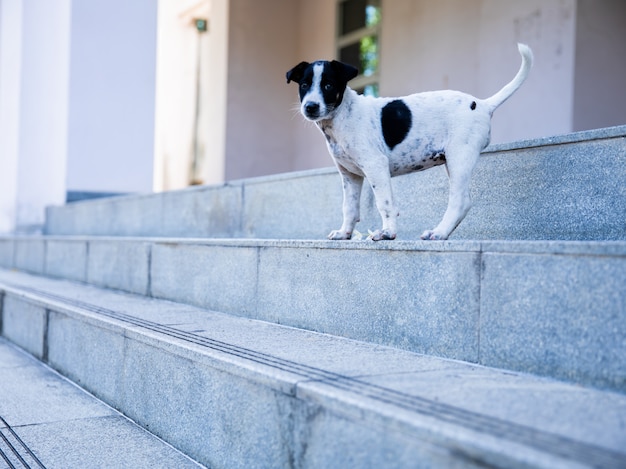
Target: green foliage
x: 369, y: 55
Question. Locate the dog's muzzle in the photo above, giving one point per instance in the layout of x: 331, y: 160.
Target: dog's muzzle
x: 311, y: 110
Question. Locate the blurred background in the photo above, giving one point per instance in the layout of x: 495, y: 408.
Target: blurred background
x: 106, y: 97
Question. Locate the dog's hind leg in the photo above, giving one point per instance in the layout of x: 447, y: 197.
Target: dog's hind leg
x: 460, y: 165
x: 352, y: 185
x: 380, y: 180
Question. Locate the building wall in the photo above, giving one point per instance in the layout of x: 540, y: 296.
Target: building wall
x: 544, y: 104
x: 471, y: 46
x: 265, y: 133
x: 600, y: 72
x: 260, y: 46
x: 468, y: 45
x: 314, y: 43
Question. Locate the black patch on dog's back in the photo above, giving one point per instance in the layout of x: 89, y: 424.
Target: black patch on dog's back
x: 473, y: 105
x: 396, y: 121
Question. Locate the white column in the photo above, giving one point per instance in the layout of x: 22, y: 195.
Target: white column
x: 112, y: 93
x: 33, y: 109
x: 192, y: 76
x: 215, y: 92
x: 10, y: 65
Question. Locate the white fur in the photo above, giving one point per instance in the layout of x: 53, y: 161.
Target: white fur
x: 315, y: 93
x: 441, y: 121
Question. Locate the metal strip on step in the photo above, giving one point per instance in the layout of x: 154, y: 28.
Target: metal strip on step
x: 14, y: 451
x: 549, y: 443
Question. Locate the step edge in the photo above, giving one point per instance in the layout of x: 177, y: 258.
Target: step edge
x: 611, y: 247
x: 307, y: 388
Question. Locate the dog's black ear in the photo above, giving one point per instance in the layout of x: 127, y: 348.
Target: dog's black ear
x: 295, y: 74
x: 345, y: 71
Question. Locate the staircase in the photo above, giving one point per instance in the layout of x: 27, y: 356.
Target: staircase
x: 220, y: 320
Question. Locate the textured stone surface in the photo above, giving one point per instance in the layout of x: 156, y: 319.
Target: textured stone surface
x: 101, y: 442
x: 307, y: 204
x: 25, y: 323
x: 87, y: 353
x: 7, y: 252
x: 238, y: 392
x: 201, y: 211
x: 332, y: 440
x: 235, y: 391
x: 65, y: 427
x: 198, y: 211
x: 554, y: 308
x: 119, y: 216
x: 561, y: 316
x: 216, y: 417
x: 67, y: 259
x: 32, y: 394
x: 213, y: 276
x: 30, y: 254
x: 538, y: 189
x: 421, y: 301
x: 120, y: 264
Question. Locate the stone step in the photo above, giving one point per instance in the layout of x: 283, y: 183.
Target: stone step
x: 236, y: 392
x: 46, y: 422
x: 551, y: 308
x: 571, y: 187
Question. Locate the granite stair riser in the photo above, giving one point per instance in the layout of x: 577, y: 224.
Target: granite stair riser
x: 545, y: 189
x: 48, y: 422
x: 548, y: 308
x: 232, y: 392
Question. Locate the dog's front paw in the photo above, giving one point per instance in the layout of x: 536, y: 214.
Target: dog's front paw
x: 432, y: 235
x: 337, y: 235
x: 380, y: 235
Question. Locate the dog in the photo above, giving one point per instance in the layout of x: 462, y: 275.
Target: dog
x: 379, y: 138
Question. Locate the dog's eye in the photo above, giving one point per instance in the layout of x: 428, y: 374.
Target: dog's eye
x: 304, y: 86
x: 328, y: 87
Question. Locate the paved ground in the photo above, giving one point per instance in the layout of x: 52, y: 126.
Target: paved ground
x: 48, y: 422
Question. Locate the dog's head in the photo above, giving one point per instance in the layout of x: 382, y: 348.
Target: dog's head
x: 322, y: 85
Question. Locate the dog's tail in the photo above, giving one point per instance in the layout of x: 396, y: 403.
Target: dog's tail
x: 505, y: 93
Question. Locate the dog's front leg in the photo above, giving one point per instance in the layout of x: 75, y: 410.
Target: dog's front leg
x: 352, y: 184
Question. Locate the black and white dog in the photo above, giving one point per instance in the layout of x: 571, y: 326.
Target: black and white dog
x: 379, y: 138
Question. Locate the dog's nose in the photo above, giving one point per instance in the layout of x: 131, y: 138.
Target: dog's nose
x: 312, y: 109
